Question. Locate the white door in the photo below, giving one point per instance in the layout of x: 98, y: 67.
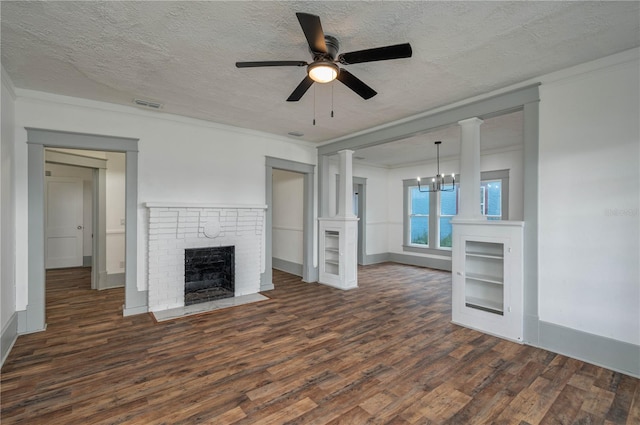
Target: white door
x: 63, y: 222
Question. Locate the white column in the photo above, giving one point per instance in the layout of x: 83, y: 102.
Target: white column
x: 338, y: 258
x: 345, y: 200
x: 470, y: 170
x: 323, y: 173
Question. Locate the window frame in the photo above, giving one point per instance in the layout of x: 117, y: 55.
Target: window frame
x: 408, y: 190
x: 434, y: 212
x: 440, y: 215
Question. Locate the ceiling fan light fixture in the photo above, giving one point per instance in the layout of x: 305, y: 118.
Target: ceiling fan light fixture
x: 323, y: 71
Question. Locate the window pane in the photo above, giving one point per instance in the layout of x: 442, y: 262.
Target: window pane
x: 492, y: 198
x: 445, y: 232
x: 420, y: 230
x: 419, y: 202
x: 449, y: 202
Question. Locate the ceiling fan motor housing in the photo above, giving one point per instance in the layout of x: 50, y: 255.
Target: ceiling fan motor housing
x: 333, y: 45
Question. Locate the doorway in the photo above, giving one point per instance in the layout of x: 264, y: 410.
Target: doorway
x: 288, y: 221
x: 135, y: 299
x: 309, y: 271
x: 84, y: 213
x: 360, y: 210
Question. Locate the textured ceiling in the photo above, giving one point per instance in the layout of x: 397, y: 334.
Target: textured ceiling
x: 182, y: 54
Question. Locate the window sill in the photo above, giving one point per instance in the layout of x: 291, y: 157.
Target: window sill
x: 426, y: 250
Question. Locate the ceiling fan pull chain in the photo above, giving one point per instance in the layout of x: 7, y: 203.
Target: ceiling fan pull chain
x: 331, y: 100
x: 314, y: 105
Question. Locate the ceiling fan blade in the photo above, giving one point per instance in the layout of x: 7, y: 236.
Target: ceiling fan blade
x: 269, y: 63
x: 355, y: 84
x: 377, y: 54
x: 301, y: 89
x: 313, y: 31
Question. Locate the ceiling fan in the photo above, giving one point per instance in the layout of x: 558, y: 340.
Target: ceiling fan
x: 324, y: 68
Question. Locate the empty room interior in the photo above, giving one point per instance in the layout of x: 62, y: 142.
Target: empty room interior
x: 290, y: 212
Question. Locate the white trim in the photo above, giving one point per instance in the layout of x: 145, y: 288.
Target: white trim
x: 115, y: 232
x: 8, y: 83
x: 8, y: 337
x: 197, y: 205
x: 488, y: 223
x: 289, y: 228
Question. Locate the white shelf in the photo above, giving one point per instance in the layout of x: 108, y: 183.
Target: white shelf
x: 337, y: 253
x: 484, y: 255
x: 484, y: 282
x: 484, y: 304
x: 331, y: 268
x: 485, y: 278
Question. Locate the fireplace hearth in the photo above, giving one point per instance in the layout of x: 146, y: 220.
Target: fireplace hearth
x: 209, y: 274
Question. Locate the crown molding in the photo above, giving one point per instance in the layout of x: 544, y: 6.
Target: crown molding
x: 45, y: 97
x: 6, y: 80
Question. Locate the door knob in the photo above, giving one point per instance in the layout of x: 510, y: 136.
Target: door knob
x: 79, y: 227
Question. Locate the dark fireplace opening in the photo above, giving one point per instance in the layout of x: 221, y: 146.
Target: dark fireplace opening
x: 208, y: 274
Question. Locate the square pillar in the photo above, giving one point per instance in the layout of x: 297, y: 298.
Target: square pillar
x: 469, y: 208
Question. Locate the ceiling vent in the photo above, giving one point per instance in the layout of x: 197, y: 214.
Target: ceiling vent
x: 148, y: 103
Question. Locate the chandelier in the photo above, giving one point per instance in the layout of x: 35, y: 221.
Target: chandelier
x: 439, y: 183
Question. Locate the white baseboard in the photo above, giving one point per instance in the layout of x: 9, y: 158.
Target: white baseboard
x: 8, y: 337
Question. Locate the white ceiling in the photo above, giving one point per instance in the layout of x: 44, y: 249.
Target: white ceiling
x: 183, y: 54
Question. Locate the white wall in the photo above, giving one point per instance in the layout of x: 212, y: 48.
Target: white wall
x: 589, y: 223
x: 115, y: 200
x: 376, y: 206
x: 287, y: 216
x: 7, y: 211
x: 180, y: 159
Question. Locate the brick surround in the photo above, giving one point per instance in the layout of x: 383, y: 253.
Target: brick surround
x: 173, y: 228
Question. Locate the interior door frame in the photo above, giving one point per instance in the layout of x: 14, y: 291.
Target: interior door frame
x: 309, y: 271
x: 136, y: 301
x: 99, y: 209
x: 360, y: 185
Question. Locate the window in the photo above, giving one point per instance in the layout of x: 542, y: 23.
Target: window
x: 448, y: 209
x: 419, y: 217
x: 427, y: 217
x: 491, y: 199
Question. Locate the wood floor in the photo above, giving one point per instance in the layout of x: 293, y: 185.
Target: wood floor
x: 384, y: 353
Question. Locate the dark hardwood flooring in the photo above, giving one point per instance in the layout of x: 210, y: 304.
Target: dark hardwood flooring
x: 385, y: 353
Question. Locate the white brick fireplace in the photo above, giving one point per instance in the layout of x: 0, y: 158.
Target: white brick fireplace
x: 176, y: 227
